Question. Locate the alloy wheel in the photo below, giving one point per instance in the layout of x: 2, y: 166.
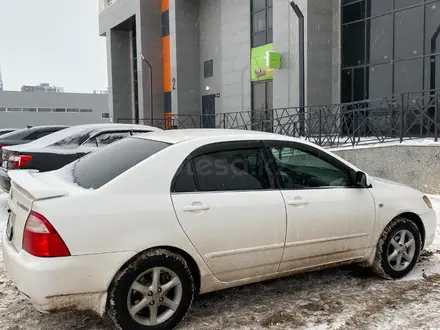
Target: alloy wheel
x: 154, y: 296
x: 401, y: 250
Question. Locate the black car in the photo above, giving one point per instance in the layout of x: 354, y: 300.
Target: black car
x: 56, y: 150
x: 4, y: 131
x: 27, y: 135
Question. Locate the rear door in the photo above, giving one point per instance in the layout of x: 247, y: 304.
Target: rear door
x: 226, y: 201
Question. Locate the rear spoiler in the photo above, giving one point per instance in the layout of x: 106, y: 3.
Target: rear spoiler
x: 26, y: 181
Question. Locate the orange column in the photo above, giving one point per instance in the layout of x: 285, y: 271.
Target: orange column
x: 166, y: 55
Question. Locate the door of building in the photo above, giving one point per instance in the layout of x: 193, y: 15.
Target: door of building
x: 208, y: 111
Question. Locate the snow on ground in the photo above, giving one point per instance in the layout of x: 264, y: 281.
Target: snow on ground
x: 344, y: 298
x: 364, y: 143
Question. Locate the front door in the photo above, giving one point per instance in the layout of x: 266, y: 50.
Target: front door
x: 328, y: 220
x: 233, y: 216
x: 208, y: 111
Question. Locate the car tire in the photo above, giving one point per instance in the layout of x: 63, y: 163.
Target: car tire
x: 398, y: 249
x: 169, y: 305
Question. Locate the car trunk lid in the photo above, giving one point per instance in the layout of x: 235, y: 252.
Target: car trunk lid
x: 28, y: 186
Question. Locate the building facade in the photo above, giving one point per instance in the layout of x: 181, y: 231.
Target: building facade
x: 204, y: 55
x: 20, y: 109
x: 208, y: 56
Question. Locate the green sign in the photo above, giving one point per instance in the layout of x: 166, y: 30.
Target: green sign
x: 273, y: 60
x: 259, y: 68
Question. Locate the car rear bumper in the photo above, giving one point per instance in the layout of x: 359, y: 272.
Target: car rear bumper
x: 5, y: 181
x: 70, y: 283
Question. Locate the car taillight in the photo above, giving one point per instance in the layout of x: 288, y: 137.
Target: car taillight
x: 19, y: 161
x: 41, y: 239
x: 2, y: 145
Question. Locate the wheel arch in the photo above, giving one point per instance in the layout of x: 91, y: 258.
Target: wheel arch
x: 192, y: 264
x: 418, y: 222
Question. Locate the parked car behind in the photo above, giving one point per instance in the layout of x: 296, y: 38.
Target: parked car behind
x: 139, y: 227
x: 4, y: 131
x: 56, y: 150
x: 26, y: 135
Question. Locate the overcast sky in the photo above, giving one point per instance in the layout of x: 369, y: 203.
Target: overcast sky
x: 53, y: 41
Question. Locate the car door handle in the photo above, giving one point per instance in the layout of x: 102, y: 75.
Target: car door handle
x: 195, y: 208
x: 298, y: 202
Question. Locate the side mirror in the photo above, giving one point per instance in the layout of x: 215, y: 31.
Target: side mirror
x: 361, y: 179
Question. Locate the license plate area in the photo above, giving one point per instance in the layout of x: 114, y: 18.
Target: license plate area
x: 10, y: 226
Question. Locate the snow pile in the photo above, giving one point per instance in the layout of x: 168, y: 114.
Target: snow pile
x: 366, y: 143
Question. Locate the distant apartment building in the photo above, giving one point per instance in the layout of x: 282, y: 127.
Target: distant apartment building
x: 100, y: 92
x: 20, y: 109
x: 43, y: 87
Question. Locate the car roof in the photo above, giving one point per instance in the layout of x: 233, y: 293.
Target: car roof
x: 50, y: 139
x: 113, y: 125
x: 180, y: 135
x: 45, y: 126
x: 37, y: 128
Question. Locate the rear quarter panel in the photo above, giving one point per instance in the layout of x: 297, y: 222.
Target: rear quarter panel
x: 97, y: 223
x: 92, y: 223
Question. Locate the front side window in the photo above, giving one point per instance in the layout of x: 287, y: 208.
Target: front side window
x: 231, y: 170
x: 298, y: 169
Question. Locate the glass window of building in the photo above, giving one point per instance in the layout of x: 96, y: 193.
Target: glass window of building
x: 389, y: 47
x: 262, y: 20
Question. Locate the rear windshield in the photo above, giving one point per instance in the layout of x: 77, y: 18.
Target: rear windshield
x: 74, y: 140
x: 20, y: 134
x: 102, y: 166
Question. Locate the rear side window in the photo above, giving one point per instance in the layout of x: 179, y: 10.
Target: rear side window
x: 185, y: 179
x: 139, y: 132
x: 109, y: 138
x: 40, y: 134
x: 100, y: 167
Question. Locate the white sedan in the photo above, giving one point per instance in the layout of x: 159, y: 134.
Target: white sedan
x: 138, y: 228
